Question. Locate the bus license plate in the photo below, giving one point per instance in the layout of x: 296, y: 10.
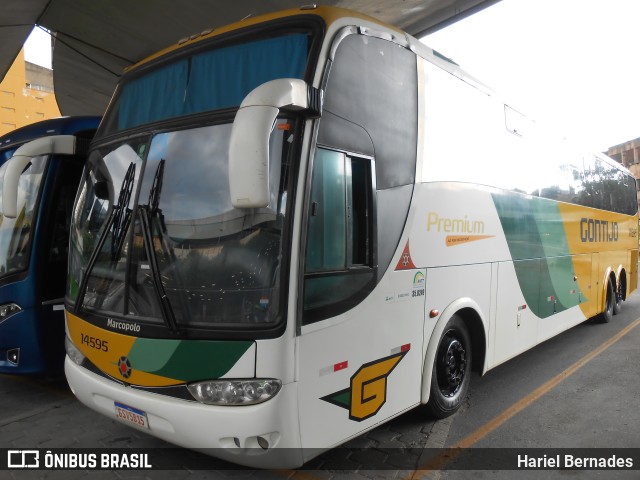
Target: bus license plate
x: 131, y: 415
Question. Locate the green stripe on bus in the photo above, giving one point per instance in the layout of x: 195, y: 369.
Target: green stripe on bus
x: 186, y: 360
x: 537, y: 241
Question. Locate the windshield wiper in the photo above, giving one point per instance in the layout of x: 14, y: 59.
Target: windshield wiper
x: 156, y: 187
x: 147, y: 212
x: 119, y: 220
x: 167, y: 311
x: 122, y: 212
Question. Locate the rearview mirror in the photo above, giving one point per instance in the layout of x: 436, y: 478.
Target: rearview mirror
x: 249, y: 144
x: 58, y: 144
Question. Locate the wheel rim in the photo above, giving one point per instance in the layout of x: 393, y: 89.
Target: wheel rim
x: 452, y: 363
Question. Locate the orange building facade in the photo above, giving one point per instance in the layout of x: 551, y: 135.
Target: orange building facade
x: 26, y: 95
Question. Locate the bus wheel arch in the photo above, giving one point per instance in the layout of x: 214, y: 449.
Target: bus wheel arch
x: 457, y: 347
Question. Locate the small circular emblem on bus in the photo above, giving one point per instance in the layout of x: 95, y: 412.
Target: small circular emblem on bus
x: 124, y: 367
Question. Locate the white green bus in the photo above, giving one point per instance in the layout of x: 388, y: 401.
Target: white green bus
x: 299, y: 226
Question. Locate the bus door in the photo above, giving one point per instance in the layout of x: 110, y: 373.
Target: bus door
x: 360, y: 343
x: 38, y: 190
x: 52, y: 248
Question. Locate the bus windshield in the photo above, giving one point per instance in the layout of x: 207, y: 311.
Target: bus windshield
x: 155, y: 239
x: 15, y: 233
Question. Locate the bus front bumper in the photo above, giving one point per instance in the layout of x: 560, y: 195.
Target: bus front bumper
x: 233, y: 433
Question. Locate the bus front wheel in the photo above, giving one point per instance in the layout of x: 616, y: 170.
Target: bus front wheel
x: 451, y: 370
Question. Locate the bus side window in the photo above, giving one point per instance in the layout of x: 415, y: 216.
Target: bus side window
x: 339, y: 270
x: 371, y: 109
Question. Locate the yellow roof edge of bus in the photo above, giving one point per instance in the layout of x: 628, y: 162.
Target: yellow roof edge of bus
x: 328, y: 14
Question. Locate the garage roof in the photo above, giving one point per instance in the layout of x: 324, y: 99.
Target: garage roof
x: 97, y: 39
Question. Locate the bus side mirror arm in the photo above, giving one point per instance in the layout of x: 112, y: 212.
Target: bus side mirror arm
x: 57, y: 144
x: 252, y: 126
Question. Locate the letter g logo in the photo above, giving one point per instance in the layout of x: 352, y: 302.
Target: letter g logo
x: 368, y: 391
x: 369, y: 387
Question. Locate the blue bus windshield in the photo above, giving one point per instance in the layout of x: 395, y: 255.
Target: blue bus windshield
x: 15, y: 233
x: 207, y: 81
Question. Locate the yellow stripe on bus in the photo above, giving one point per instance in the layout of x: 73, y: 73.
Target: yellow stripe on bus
x: 105, y: 350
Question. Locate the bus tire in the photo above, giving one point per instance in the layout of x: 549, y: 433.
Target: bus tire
x: 617, y: 300
x: 451, y: 370
x: 607, y: 315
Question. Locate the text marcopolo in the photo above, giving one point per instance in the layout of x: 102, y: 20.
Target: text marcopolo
x: 125, y: 326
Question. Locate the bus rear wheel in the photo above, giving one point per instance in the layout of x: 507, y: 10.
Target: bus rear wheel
x: 618, y: 298
x: 607, y: 315
x: 451, y: 370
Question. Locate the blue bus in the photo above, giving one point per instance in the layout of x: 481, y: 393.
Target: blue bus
x: 40, y: 169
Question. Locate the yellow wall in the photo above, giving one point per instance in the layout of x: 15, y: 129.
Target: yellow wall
x: 20, y: 105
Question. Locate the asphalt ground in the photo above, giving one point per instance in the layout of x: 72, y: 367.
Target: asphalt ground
x: 579, y: 390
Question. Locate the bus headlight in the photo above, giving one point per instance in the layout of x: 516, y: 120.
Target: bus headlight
x: 235, y: 392
x: 8, y: 309
x: 73, y: 352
